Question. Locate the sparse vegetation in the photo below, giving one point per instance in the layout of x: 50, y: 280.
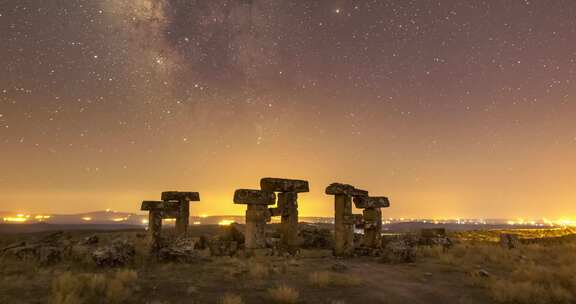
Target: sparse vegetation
x: 531, y: 274
x: 258, y: 270
x: 231, y: 299
x: 483, y: 271
x: 327, y: 278
x: 70, y: 288
x: 284, y: 294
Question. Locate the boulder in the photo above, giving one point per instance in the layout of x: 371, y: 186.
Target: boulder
x: 46, y: 253
x: 119, y: 254
x: 183, y: 250
x: 399, y: 249
x: 312, y: 237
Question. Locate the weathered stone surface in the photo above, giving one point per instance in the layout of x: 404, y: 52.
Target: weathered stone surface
x: 363, y: 202
x: 399, y: 249
x: 256, y: 218
x: 338, y: 188
x: 312, y: 237
x: 372, y: 227
x: 180, y: 196
x: 120, y: 253
x: 48, y: 249
x: 183, y: 250
x: 151, y: 205
x: 284, y: 185
x: 254, y: 197
x: 343, y: 225
x: 288, y: 204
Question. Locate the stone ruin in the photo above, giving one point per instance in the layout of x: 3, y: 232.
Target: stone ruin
x: 174, y: 205
x: 372, y: 218
x: 344, y: 220
x: 258, y: 213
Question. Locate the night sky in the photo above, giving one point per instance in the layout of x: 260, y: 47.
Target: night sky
x: 452, y: 108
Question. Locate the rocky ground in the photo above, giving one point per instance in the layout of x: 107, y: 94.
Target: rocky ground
x: 209, y: 266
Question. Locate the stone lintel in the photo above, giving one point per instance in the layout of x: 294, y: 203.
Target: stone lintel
x: 151, y: 205
x: 338, y: 188
x: 363, y: 202
x: 254, y: 197
x: 180, y: 196
x: 284, y: 185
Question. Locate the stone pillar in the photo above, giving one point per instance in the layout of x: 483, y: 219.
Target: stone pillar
x: 372, y: 219
x: 257, y: 215
x: 288, y: 204
x: 155, y: 214
x: 343, y: 225
x: 155, y: 228
x: 181, y: 203
x: 287, y: 208
x: 255, y: 234
x: 344, y: 220
x: 372, y: 227
x: 183, y: 219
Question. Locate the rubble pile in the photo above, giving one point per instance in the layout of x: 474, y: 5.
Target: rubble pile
x: 399, y: 249
x: 119, y: 253
x: 47, y: 250
x: 312, y: 237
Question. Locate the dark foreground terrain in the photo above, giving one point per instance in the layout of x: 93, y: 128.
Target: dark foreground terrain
x: 475, y: 270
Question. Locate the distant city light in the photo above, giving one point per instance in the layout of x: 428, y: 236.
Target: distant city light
x: 225, y: 222
x: 15, y: 219
x: 87, y: 218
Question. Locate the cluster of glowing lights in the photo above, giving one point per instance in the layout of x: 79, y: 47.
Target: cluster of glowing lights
x: 86, y: 218
x: 16, y: 219
x: 225, y: 222
x: 22, y: 218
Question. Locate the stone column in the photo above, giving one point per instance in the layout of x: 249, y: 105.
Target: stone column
x: 182, y: 208
x: 154, y: 209
x: 183, y: 219
x: 344, y: 220
x: 155, y: 227
x: 343, y: 225
x: 372, y: 227
x: 288, y: 204
x: 257, y: 215
x: 287, y: 208
x: 372, y: 219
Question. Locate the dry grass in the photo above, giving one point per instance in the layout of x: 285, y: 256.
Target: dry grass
x: 283, y: 294
x: 327, y: 278
x: 70, y: 288
x: 258, y: 270
x: 231, y: 299
x: 530, y: 274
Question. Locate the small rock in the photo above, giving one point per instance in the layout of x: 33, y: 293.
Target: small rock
x: 90, y: 240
